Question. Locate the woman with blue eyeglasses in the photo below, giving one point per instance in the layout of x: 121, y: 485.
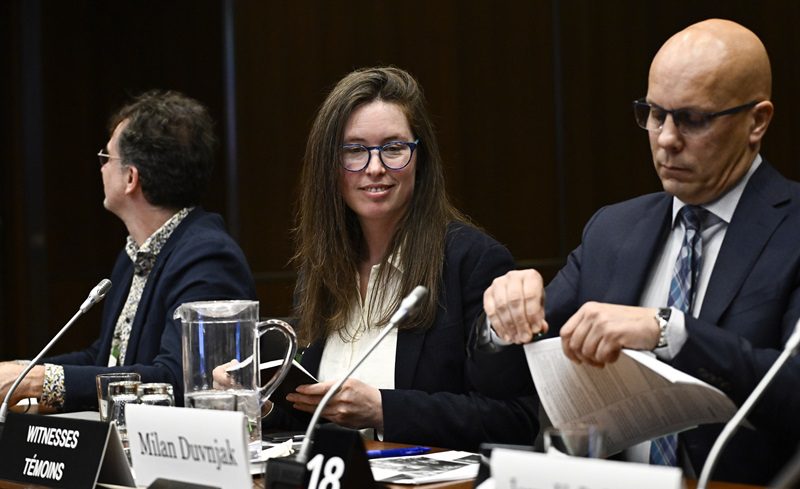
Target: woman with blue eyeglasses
x: 373, y: 222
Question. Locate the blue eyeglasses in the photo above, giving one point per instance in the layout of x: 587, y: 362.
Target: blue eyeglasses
x: 394, y: 155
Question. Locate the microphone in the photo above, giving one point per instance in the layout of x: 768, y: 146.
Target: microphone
x: 730, y: 428
x: 408, y: 306
x: 95, y: 296
x: 283, y: 471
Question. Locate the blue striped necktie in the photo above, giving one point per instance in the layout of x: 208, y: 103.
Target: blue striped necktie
x: 663, y: 451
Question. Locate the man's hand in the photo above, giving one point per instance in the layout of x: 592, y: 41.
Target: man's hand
x: 31, y: 385
x: 514, y: 304
x: 356, y: 405
x: 598, y: 332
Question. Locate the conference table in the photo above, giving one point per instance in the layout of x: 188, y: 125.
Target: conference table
x: 259, y: 483
x: 468, y: 484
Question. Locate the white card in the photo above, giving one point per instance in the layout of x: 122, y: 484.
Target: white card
x: 203, y: 446
x: 517, y: 468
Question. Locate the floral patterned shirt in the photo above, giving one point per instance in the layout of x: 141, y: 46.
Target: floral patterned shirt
x: 143, y: 258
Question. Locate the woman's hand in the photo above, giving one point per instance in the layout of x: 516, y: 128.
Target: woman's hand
x: 222, y: 378
x: 356, y: 405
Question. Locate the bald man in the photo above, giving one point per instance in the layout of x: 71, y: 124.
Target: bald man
x: 706, y: 273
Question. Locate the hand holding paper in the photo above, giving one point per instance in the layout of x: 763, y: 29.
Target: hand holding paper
x: 634, y: 399
x: 356, y: 405
x: 598, y: 332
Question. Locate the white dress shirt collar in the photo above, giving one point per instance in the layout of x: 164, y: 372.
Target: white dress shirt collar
x: 724, y: 206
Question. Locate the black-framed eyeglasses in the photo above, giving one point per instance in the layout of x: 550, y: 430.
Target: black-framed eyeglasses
x: 689, y: 122
x: 104, y: 157
x: 394, y: 155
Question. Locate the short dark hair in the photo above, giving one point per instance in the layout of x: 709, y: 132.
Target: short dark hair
x: 170, y: 139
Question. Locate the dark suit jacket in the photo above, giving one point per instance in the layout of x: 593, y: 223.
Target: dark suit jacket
x: 750, y: 309
x: 200, y: 261
x: 442, y: 396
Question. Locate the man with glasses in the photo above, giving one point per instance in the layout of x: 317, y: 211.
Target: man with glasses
x: 706, y: 274
x: 154, y: 169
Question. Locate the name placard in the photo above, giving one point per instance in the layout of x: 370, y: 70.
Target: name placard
x: 61, y: 452
x: 516, y: 468
x: 202, y: 446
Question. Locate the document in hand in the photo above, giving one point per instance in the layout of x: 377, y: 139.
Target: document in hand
x: 273, y: 349
x: 297, y: 375
x: 634, y: 399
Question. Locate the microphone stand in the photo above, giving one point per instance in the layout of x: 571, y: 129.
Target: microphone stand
x: 4, y: 407
x: 305, y: 448
x: 283, y: 472
x: 95, y: 296
x: 406, y: 308
x: 732, y: 425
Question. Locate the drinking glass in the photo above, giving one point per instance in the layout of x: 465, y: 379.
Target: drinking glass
x: 156, y: 394
x: 120, y: 394
x: 102, y: 381
x: 585, y: 440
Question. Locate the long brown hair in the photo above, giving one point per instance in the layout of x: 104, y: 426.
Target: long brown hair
x: 328, y: 236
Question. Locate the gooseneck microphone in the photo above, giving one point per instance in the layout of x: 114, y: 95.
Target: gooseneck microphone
x: 95, y: 296
x: 408, y: 306
x: 730, y: 428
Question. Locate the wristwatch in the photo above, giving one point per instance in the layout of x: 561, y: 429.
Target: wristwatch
x: 662, y: 318
x: 486, y: 340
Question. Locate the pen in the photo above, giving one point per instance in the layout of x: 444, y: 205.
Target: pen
x: 397, y: 452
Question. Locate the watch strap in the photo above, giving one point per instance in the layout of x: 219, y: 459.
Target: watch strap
x: 662, y: 317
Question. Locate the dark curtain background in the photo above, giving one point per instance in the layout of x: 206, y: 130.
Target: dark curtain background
x: 531, y: 100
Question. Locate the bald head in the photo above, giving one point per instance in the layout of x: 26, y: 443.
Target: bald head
x: 719, y: 70
x: 722, y: 58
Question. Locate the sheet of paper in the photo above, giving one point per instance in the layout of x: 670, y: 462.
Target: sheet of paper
x: 425, y: 469
x: 634, y: 399
x: 272, y: 450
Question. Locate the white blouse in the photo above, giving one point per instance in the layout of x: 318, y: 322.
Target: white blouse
x: 344, y: 349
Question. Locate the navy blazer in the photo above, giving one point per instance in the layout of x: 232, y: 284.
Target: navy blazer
x: 442, y: 396
x: 200, y: 261
x: 749, y: 310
